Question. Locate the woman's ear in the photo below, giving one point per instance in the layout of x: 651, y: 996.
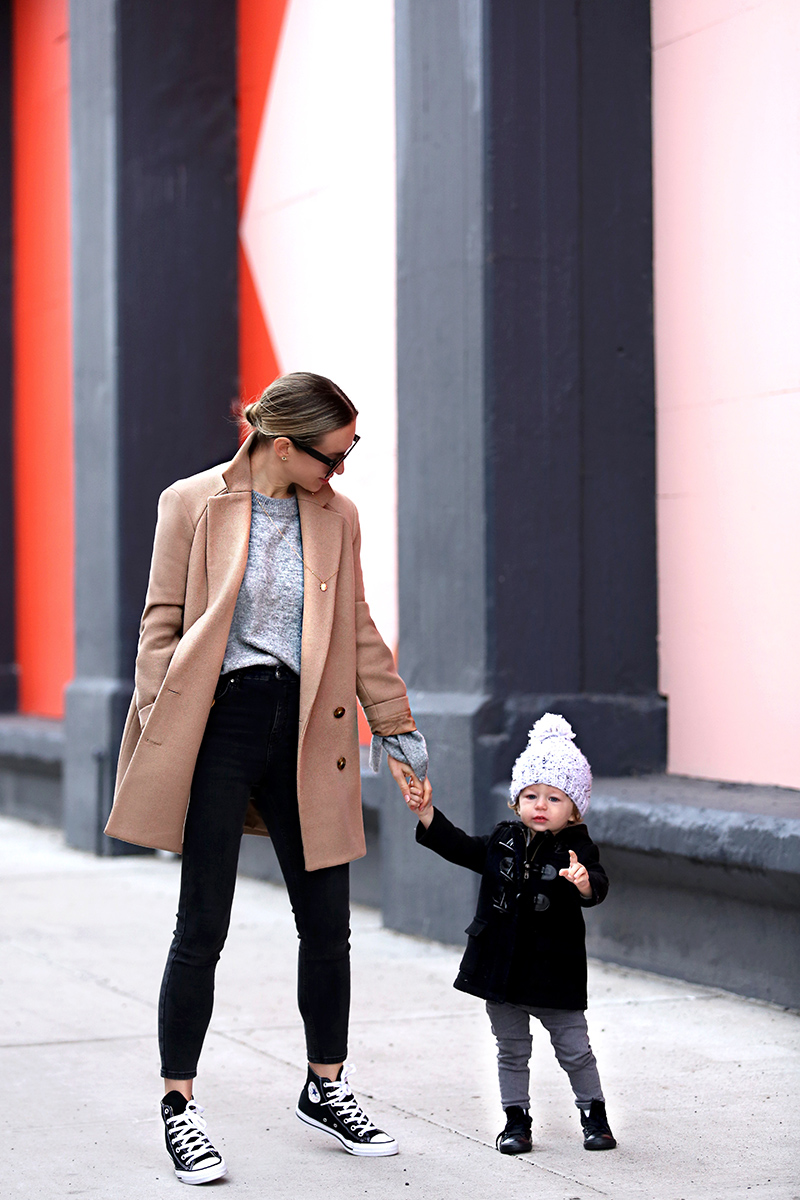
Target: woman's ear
x: 282, y: 446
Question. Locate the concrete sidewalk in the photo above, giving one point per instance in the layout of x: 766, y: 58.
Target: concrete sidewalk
x: 701, y: 1085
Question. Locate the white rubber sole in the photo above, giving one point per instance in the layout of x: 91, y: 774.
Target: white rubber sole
x: 204, y: 1176
x: 363, y: 1150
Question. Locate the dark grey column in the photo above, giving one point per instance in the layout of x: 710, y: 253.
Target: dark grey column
x: 96, y: 698
x: 154, y: 302
x: 617, y: 381
x: 8, y: 669
x: 177, y: 237
x: 569, y: 380
x: 526, y: 412
x: 442, y: 440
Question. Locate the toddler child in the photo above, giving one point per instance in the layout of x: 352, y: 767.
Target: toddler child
x: 526, y: 954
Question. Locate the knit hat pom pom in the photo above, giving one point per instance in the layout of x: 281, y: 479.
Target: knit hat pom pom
x: 548, y: 726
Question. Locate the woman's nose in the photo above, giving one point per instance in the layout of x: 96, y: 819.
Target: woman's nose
x: 339, y: 470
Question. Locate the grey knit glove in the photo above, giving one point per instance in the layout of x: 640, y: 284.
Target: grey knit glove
x: 408, y: 748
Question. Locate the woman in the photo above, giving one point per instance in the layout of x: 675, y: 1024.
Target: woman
x: 254, y: 642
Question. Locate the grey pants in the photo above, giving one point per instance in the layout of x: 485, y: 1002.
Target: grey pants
x: 570, y: 1038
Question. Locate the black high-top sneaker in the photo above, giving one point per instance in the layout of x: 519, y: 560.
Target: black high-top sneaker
x: 330, y: 1105
x: 596, y: 1133
x: 516, y: 1137
x: 194, y: 1158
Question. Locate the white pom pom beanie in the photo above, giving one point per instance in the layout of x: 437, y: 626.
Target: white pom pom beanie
x: 552, y: 757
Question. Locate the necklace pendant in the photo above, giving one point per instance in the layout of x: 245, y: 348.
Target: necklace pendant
x: 323, y: 587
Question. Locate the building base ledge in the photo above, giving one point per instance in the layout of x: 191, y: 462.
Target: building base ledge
x: 35, y: 739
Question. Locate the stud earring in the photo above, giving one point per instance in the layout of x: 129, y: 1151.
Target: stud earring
x: 284, y: 457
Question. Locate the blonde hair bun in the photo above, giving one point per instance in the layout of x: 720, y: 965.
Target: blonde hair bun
x: 301, y: 405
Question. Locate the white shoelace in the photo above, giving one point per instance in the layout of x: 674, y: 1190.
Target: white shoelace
x: 188, y: 1134
x: 339, y: 1095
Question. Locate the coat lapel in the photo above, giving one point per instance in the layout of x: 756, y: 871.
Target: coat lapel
x: 227, y: 543
x: 228, y: 534
x: 321, y: 530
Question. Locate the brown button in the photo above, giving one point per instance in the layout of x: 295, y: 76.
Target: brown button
x: 342, y: 763
x: 338, y: 712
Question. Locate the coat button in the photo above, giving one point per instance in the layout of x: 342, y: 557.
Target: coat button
x: 342, y: 763
x: 338, y: 712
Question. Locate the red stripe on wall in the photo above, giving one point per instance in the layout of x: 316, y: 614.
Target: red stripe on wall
x: 43, y: 479
x: 258, y: 365
x: 259, y: 29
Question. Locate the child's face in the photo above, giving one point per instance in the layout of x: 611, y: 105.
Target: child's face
x: 543, y: 807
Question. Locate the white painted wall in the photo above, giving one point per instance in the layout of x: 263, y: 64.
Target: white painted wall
x: 318, y: 229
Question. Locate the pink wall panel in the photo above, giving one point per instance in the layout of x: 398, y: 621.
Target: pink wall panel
x: 726, y: 119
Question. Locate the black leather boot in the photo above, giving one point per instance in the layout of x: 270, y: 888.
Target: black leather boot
x: 596, y: 1133
x: 516, y: 1137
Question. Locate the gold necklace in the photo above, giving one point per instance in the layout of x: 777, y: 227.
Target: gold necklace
x: 323, y: 583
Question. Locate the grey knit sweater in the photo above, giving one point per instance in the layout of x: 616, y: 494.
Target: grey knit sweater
x: 267, y: 622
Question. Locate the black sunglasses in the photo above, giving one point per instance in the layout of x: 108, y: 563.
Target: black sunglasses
x: 330, y: 463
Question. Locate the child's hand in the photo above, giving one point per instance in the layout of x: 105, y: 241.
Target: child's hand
x: 419, y: 802
x: 576, y: 873
x: 416, y: 793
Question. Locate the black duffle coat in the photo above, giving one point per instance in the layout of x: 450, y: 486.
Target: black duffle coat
x: 527, y: 942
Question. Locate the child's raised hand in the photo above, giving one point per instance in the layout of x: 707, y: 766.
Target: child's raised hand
x: 576, y: 873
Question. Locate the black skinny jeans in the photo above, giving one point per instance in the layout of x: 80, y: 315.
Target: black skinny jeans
x: 250, y: 748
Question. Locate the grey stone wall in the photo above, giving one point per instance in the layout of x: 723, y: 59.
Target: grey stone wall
x: 154, y: 219
x: 526, y: 428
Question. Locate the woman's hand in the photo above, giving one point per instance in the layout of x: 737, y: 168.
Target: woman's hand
x: 576, y: 873
x: 417, y: 794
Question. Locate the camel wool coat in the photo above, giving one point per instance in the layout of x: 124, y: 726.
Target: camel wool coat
x: 199, y: 559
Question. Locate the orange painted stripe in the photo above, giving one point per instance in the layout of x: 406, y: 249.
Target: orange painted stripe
x: 364, y: 731
x: 259, y: 24
x: 43, y: 479
x: 258, y: 365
